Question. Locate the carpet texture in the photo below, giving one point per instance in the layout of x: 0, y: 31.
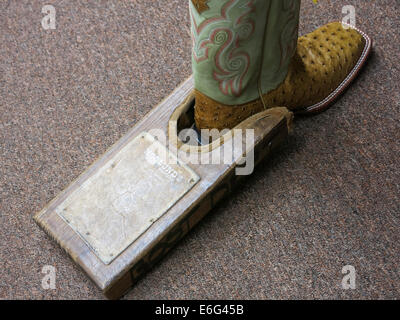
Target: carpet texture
x: 326, y: 199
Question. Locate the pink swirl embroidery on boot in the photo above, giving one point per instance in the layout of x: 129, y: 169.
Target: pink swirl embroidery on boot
x: 227, y: 32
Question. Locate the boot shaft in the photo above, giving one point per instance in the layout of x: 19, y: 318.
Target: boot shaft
x: 240, y: 46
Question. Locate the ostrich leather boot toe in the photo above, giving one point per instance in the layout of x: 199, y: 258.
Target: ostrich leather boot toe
x: 322, y: 61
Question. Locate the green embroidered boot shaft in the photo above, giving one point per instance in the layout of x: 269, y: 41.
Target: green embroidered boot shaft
x: 241, y: 45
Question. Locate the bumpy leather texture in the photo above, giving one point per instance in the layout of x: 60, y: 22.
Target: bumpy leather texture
x: 322, y: 61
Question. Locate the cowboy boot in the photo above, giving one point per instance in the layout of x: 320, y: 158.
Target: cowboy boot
x: 247, y: 57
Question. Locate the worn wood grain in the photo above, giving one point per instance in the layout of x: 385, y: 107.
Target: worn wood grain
x: 216, y: 182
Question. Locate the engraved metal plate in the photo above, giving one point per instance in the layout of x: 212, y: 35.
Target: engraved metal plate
x: 126, y: 196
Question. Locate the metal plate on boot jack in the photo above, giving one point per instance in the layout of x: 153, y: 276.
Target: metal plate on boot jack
x: 125, y: 197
